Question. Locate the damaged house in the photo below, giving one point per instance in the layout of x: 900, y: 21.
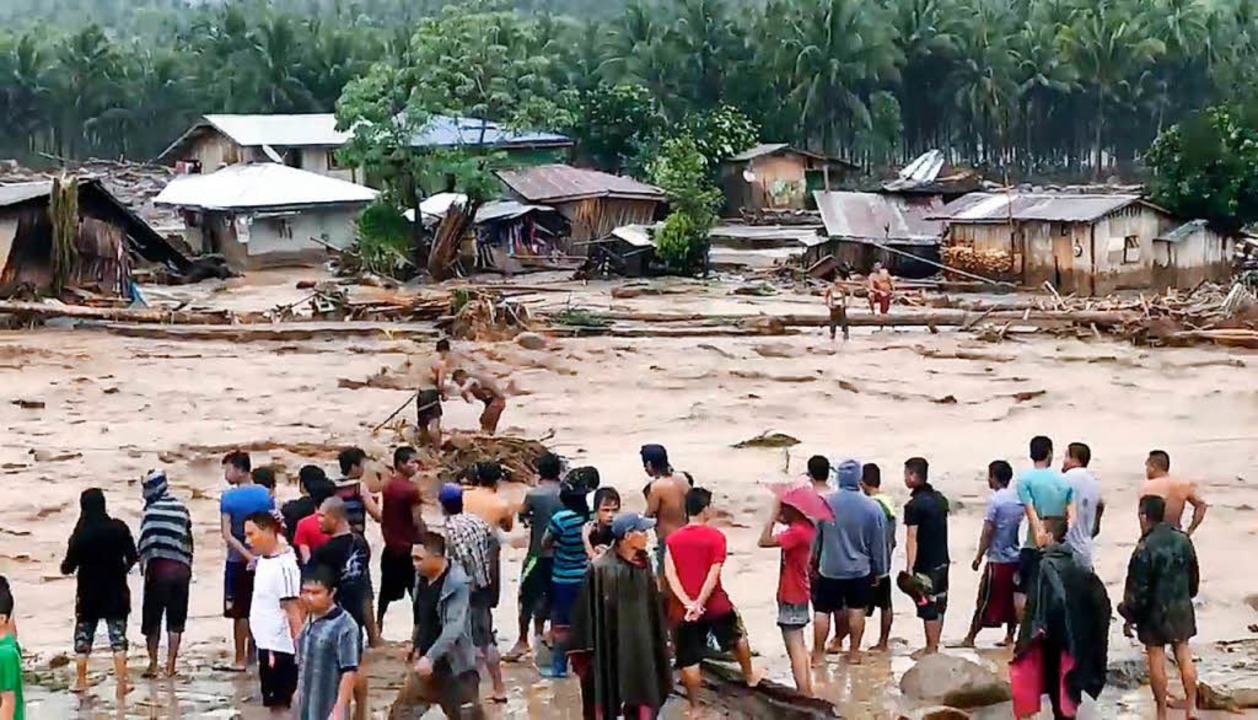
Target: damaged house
x: 594, y: 202
x: 58, y: 235
x: 267, y: 214
x: 866, y: 228
x: 310, y: 142
x: 1082, y: 243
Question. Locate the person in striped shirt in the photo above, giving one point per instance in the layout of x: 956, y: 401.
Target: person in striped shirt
x: 564, y: 535
x: 166, y: 562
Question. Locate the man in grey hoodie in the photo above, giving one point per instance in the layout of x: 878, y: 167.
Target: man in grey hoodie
x: 850, y: 554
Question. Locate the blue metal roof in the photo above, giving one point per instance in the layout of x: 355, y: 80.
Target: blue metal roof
x: 447, y: 131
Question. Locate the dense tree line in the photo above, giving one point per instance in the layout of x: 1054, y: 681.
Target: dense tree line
x: 1067, y: 87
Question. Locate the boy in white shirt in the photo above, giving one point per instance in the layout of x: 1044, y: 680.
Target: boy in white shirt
x: 275, y: 616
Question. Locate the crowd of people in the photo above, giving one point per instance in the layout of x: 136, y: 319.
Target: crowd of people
x: 618, y: 610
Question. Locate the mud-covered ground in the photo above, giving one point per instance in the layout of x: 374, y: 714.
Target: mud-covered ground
x: 114, y: 407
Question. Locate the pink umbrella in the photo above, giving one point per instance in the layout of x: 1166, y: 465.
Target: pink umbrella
x: 804, y: 499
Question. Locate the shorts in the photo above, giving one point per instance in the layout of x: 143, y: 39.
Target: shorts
x: 880, y: 598
x: 481, y: 619
x: 493, y: 411
x: 660, y: 550
x: 831, y: 595
x: 535, y: 588
x: 563, y: 597
x: 883, y: 299
x: 427, y: 406
x: 936, y: 604
x: 164, y: 596
x: 277, y: 672
x: 793, y: 616
x: 85, y: 633
x: 691, y: 644
x: 237, y: 590
x: 995, y: 594
x: 458, y: 696
x: 397, y: 574
x: 1028, y: 569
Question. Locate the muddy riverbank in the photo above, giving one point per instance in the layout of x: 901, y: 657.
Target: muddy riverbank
x: 114, y: 407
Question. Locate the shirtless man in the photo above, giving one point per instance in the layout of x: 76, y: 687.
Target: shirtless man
x: 665, y: 498
x: 432, y: 390
x: 482, y: 498
x: 836, y: 301
x: 1176, y: 491
x: 481, y: 386
x: 881, y: 287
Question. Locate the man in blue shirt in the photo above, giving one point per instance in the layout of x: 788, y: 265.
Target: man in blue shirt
x: 238, y: 502
x: 999, y: 544
x: 1043, y: 493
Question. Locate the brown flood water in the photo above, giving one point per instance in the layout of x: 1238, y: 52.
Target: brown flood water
x: 116, y: 407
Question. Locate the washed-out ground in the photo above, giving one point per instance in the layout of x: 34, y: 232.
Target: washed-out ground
x: 114, y: 407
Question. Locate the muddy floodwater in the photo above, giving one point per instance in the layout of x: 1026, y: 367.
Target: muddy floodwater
x: 114, y: 407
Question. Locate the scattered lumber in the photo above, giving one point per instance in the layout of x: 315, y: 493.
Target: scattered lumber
x: 27, y: 311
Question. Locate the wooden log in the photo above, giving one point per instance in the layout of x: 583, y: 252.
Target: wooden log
x: 939, y: 318
x: 28, y: 310
x: 723, y: 689
x: 275, y: 332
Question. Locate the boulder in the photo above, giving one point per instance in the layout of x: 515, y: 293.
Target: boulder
x: 531, y: 341
x: 778, y: 350
x: 1127, y: 670
x: 954, y: 681
x: 936, y: 712
x: 1231, y: 691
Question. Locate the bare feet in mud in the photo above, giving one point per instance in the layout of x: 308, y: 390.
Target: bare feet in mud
x: 818, y: 660
x: 880, y: 648
x: 966, y: 644
x: 1176, y: 703
x: 150, y: 673
x: 854, y: 657
x: 757, y: 675
x: 834, y: 647
x: 919, y: 654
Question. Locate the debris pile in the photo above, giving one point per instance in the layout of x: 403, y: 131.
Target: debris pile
x: 517, y: 456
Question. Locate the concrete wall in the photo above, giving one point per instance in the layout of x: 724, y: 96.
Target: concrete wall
x: 273, y: 241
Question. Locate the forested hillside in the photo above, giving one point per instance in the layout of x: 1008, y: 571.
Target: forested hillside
x: 1013, y: 85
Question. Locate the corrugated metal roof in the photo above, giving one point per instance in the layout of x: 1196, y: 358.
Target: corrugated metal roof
x: 22, y: 192
x: 263, y: 185
x: 1042, y: 207
x: 759, y: 151
x: 806, y: 235
x: 507, y: 209
x: 635, y: 235
x: 1183, y: 232
x: 925, y: 169
x: 319, y: 130
x: 561, y: 183
x: 878, y: 218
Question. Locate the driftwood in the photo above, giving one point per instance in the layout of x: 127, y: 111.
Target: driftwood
x: 723, y: 689
x: 285, y: 332
x: 914, y: 319
x: 29, y: 310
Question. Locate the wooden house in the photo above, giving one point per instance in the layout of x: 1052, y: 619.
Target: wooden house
x: 775, y: 176
x: 1190, y: 254
x: 594, y: 202
x: 1088, y: 244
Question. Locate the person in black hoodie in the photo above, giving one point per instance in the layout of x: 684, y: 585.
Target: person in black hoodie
x: 101, y: 552
x: 1063, y: 641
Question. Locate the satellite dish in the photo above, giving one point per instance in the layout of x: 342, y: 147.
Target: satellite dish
x: 749, y: 176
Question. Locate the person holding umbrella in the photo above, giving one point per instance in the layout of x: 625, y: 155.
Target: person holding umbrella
x: 795, y: 508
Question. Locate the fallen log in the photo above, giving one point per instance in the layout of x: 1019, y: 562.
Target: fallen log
x: 33, y: 311
x: 283, y: 332
x: 942, y: 317
x: 723, y: 689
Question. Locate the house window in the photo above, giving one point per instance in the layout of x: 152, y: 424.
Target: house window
x: 284, y: 229
x: 1063, y: 230
x: 1131, y: 249
x: 334, y: 162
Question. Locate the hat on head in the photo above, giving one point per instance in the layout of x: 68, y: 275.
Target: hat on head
x: 630, y: 522
x: 154, y: 485
x: 849, y: 474
x: 450, y: 495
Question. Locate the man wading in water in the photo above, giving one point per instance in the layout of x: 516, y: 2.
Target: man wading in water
x: 482, y: 387
x: 432, y: 390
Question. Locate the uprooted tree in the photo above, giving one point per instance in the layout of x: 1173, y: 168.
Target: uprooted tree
x: 467, y: 62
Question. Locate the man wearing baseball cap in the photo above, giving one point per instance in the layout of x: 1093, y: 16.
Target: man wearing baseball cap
x: 618, y: 644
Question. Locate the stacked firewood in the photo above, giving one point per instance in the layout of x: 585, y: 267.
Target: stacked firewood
x: 991, y: 263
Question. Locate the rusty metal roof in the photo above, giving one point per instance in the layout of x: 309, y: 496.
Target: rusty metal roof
x: 879, y: 218
x: 984, y: 207
x: 563, y: 183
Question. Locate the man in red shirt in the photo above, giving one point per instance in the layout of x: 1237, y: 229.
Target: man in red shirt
x: 692, y: 566
x: 402, y: 525
x: 794, y: 586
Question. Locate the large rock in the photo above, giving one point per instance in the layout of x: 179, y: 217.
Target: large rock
x: 1127, y: 669
x: 936, y: 712
x: 954, y: 681
x: 1232, y: 690
x: 531, y: 341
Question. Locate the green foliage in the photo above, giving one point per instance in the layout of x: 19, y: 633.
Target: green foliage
x: 384, y: 239
x: 1065, y: 87
x: 467, y: 62
x: 721, y: 134
x: 682, y: 172
x: 1207, y: 167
